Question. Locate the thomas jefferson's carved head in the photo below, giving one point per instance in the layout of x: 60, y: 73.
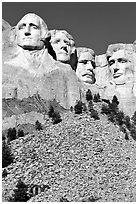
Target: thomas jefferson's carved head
x: 63, y: 45
x: 30, y: 31
x: 86, y: 65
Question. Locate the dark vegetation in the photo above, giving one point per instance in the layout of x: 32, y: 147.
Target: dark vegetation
x: 20, y: 193
x: 7, y: 157
x: 79, y: 107
x: 90, y: 100
x: 38, y: 125
x: 127, y: 126
x: 89, y: 96
x: 55, y: 115
x: 4, y: 173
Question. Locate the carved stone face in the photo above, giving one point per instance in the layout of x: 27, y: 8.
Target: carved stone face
x: 85, y: 68
x: 62, y: 47
x: 29, y: 33
x: 121, y: 66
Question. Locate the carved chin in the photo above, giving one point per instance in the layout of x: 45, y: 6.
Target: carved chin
x: 120, y: 80
x: 89, y: 80
x: 64, y: 57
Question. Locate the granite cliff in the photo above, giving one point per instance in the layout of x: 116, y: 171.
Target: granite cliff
x: 53, y: 80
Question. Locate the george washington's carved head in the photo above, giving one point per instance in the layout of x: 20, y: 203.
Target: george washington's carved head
x: 30, y: 32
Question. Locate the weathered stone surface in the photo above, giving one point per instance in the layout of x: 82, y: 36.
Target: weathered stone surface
x: 30, y: 73
x: 5, y: 25
x: 85, y: 65
x: 32, y: 79
x: 63, y: 47
x: 8, y: 38
x: 60, y: 84
x: 102, y: 72
x: 123, y: 84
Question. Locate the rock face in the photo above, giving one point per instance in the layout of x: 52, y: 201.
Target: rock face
x: 5, y: 25
x: 32, y: 80
x: 102, y: 72
x: 60, y: 84
x: 8, y: 38
x: 123, y: 82
x: 85, y: 65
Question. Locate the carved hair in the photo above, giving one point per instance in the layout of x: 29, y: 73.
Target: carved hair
x: 81, y: 50
x: 54, y: 32
x: 43, y: 25
x: 130, y: 48
x: 130, y: 51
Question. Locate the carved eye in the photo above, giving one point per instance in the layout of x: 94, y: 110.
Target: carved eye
x: 83, y: 61
x: 111, y: 62
x: 34, y: 27
x: 66, y: 42
x: 21, y: 26
x: 122, y: 60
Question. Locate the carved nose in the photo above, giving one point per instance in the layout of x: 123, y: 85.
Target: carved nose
x: 64, y: 48
x: 27, y: 31
x: 115, y: 70
x: 89, y: 66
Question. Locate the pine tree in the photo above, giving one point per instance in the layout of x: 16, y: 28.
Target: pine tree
x: 11, y: 135
x: 38, y: 125
x: 115, y: 100
x: 71, y: 109
x: 20, y: 133
x: 51, y: 111
x: 90, y: 106
x: 105, y: 109
x: 78, y: 107
x: 56, y: 118
x: 20, y: 193
x: 4, y: 173
x: 133, y: 126
x: 133, y: 118
x: 120, y: 118
x: 96, y: 98
x: 89, y: 95
x: 94, y: 114
x: 7, y: 157
x: 127, y: 122
x: 114, y: 104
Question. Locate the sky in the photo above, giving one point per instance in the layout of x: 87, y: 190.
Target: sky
x: 92, y: 24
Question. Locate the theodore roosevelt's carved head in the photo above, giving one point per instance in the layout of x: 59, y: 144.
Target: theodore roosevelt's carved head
x: 86, y: 65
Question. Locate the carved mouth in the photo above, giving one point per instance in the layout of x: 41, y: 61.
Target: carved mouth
x: 27, y: 38
x: 87, y: 75
x: 63, y: 53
